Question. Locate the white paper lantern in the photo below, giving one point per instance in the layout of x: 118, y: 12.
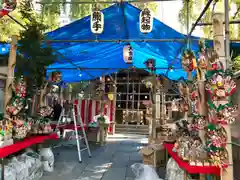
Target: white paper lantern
x: 128, y: 54
x: 146, y: 20
x: 97, y: 22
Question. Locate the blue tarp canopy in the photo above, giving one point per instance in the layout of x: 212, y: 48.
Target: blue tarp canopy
x: 121, y: 21
x: 4, y: 48
x: 80, y: 61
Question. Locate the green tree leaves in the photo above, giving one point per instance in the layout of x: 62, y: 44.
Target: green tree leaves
x: 33, y: 55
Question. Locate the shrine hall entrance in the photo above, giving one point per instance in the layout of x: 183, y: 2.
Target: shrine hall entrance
x: 133, y: 99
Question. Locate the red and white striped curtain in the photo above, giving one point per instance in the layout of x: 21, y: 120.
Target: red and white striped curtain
x: 88, y: 108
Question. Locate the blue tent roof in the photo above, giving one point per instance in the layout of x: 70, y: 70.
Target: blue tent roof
x: 4, y: 48
x: 121, y: 21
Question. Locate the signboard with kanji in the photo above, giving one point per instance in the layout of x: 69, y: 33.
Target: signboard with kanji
x: 97, y: 22
x: 146, y: 20
x: 128, y: 54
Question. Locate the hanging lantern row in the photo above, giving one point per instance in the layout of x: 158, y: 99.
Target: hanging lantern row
x: 7, y: 6
x: 97, y: 21
x: 128, y: 54
x: 145, y: 21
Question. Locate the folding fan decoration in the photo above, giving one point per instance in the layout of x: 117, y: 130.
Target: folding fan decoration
x: 220, y: 88
x: 216, y: 141
x: 199, y: 122
x: 18, y: 100
x: 7, y: 6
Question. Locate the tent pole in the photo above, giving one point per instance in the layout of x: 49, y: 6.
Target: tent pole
x: 210, y: 24
x: 192, y: 29
x: 227, y: 43
x: 115, y: 40
x: 114, y: 104
x: 101, y: 2
x: 188, y: 22
x: 85, y: 68
x: 200, y: 16
x: 127, y: 113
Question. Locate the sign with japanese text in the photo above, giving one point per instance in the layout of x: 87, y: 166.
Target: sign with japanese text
x: 97, y: 22
x: 146, y: 20
x: 128, y: 54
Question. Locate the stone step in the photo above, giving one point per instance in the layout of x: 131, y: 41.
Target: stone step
x: 131, y: 126
x: 132, y: 132
x: 132, y: 129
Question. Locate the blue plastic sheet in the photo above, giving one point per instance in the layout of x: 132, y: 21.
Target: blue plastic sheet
x: 4, y: 48
x: 79, y: 61
x: 121, y: 21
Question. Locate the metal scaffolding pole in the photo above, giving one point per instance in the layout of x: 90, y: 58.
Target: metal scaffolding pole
x: 227, y: 42
x: 133, y: 92
x: 101, y: 2
x: 187, y: 39
x: 200, y: 17
x: 127, y: 113
x: 139, y: 93
x: 114, y: 40
x: 188, y: 22
x: 104, y: 68
x: 210, y: 24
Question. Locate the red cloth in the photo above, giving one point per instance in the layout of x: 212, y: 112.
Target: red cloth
x: 191, y: 169
x: 8, y: 150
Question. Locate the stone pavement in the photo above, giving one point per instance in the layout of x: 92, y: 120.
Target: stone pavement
x: 109, y: 162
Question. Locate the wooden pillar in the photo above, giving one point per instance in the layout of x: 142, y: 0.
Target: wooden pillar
x: 114, y: 104
x: 154, y: 99
x: 103, y: 93
x: 219, y: 46
x: 69, y: 92
x: 163, y: 121
x: 158, y: 106
x: 169, y: 112
x: 10, y: 72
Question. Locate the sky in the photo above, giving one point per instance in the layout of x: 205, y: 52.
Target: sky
x: 168, y: 13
